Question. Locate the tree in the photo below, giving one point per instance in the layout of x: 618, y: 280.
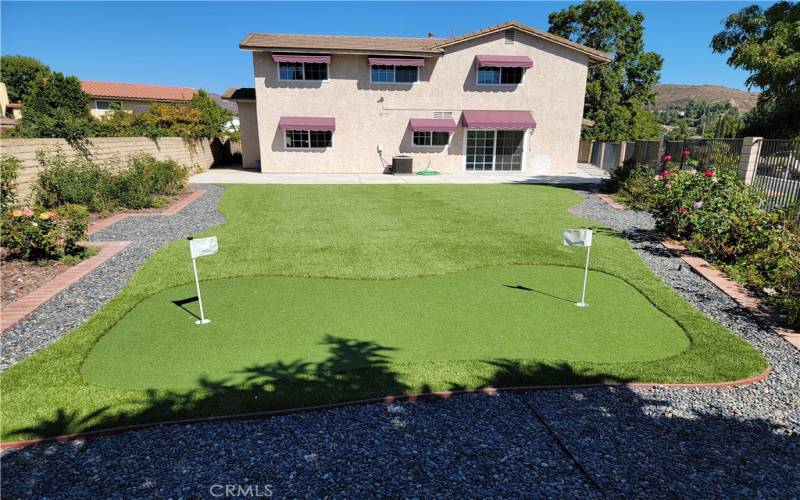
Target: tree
x: 57, y: 107
x: 19, y: 73
x: 767, y: 44
x: 727, y: 125
x: 617, y: 93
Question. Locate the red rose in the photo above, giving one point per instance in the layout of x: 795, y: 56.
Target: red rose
x: 665, y: 174
x: 667, y: 158
x: 682, y: 211
x: 709, y: 173
x: 684, y: 154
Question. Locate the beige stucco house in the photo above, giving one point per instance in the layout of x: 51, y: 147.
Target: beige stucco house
x: 106, y: 97
x: 506, y: 98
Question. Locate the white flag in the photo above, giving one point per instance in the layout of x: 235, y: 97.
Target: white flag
x: 203, y: 246
x: 578, y: 237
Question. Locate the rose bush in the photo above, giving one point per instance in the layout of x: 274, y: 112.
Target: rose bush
x: 44, y: 234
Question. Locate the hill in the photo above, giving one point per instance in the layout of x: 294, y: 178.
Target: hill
x: 668, y: 94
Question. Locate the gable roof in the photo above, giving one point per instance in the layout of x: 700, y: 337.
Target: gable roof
x: 240, y: 94
x: 427, y: 47
x: 138, y: 91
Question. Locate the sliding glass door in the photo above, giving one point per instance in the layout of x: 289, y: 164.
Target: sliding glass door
x: 499, y: 150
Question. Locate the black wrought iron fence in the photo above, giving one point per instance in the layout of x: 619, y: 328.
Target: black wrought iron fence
x: 778, y: 173
x: 705, y: 153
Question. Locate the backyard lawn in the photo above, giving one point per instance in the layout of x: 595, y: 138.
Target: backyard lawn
x: 322, y: 294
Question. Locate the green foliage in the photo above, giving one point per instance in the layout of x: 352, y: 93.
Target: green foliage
x: 9, y: 168
x: 140, y: 184
x: 617, y: 93
x: 56, y: 107
x: 636, y: 191
x: 727, y: 125
x: 200, y: 118
x: 44, y: 234
x: 766, y: 42
x: 680, y: 132
x: 20, y: 73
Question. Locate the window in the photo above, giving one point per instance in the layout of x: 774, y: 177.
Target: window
x: 488, y: 75
x: 431, y: 138
x: 394, y: 74
x: 108, y: 105
x: 302, y: 71
x: 498, y: 150
x: 308, y: 139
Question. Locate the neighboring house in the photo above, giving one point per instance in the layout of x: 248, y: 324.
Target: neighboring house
x: 136, y: 97
x: 10, y: 112
x: 506, y: 98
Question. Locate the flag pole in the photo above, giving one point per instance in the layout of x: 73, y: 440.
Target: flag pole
x: 202, y: 320
x: 582, y: 303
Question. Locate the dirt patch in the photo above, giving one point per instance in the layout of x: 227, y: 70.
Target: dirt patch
x: 19, y: 278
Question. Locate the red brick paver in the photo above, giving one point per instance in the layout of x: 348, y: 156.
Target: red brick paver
x: 22, y: 307
x: 170, y: 210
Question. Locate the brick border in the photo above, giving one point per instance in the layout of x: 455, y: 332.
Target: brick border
x: 170, y: 210
x: 421, y: 397
x: 729, y: 287
x: 22, y: 307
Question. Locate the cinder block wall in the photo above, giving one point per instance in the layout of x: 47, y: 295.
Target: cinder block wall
x: 109, y: 151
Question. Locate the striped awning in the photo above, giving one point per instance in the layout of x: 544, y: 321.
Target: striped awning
x: 395, y: 61
x: 307, y: 123
x: 503, y: 61
x: 301, y: 59
x: 432, y: 125
x: 485, y: 119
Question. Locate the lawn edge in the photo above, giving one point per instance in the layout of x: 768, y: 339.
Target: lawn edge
x: 392, y: 398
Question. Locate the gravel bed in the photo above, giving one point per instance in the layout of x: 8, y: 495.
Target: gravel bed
x: 642, y: 443
x: 76, y: 304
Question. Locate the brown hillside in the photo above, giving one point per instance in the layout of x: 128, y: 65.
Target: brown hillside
x: 667, y: 94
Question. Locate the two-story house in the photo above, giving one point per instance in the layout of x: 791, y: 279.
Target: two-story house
x: 506, y: 98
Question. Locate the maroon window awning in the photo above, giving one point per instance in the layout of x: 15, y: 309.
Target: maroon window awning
x: 513, y: 120
x: 432, y: 125
x: 395, y: 61
x: 504, y: 61
x: 307, y: 123
x: 301, y: 59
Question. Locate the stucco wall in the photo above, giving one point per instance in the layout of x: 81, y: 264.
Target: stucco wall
x: 369, y: 115
x: 109, y: 151
x: 248, y: 125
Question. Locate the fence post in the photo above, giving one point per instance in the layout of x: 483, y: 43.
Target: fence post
x: 601, y: 153
x: 748, y: 159
x: 622, y: 147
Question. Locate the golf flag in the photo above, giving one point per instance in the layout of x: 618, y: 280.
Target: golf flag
x: 199, y: 248
x: 578, y: 237
x: 203, y: 246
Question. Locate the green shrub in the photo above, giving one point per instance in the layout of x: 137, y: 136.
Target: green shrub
x: 44, y: 234
x: 163, y: 177
x: 9, y: 168
x: 57, y: 107
x: 71, y: 180
x: 637, y: 190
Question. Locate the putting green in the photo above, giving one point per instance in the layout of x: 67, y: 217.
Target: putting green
x: 511, y: 312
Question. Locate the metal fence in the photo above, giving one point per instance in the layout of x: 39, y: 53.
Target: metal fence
x: 777, y: 174
x: 702, y: 153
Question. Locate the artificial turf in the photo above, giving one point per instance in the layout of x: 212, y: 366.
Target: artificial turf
x: 418, y: 304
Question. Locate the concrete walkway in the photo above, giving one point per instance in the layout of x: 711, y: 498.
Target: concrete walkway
x: 585, y: 174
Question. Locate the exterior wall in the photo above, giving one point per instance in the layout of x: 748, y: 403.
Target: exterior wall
x: 127, y: 105
x: 370, y: 116
x: 3, y: 98
x: 112, y: 152
x: 248, y: 127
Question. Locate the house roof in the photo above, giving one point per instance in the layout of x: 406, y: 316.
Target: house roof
x: 137, y: 91
x: 239, y: 94
x: 396, y: 45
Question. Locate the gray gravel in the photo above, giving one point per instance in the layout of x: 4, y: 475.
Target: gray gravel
x: 70, y: 308
x: 742, y: 442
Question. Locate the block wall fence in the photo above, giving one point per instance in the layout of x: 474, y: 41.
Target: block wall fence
x: 112, y: 152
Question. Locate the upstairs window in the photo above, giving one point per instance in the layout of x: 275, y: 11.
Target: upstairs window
x: 308, y: 139
x: 431, y: 138
x: 488, y: 75
x: 383, y: 73
x: 306, y: 71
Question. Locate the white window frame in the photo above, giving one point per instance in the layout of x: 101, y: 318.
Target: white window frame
x: 393, y: 66
x: 478, y: 83
x: 308, y: 132
x: 525, y: 134
x: 109, y: 108
x: 328, y: 72
x: 431, y: 146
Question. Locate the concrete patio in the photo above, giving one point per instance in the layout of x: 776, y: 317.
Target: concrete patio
x: 584, y: 174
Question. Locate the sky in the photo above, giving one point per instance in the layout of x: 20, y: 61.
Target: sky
x: 196, y: 44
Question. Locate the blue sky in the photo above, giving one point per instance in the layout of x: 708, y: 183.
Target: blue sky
x: 196, y: 43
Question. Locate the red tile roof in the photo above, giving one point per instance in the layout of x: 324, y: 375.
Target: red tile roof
x: 138, y: 91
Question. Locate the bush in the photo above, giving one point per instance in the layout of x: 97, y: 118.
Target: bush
x: 9, y: 168
x: 637, y: 190
x: 44, y: 234
x: 140, y: 185
x: 56, y: 107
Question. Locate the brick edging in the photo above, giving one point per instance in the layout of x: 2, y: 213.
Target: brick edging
x: 729, y: 287
x: 22, y: 307
x: 170, y: 210
x: 426, y: 396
